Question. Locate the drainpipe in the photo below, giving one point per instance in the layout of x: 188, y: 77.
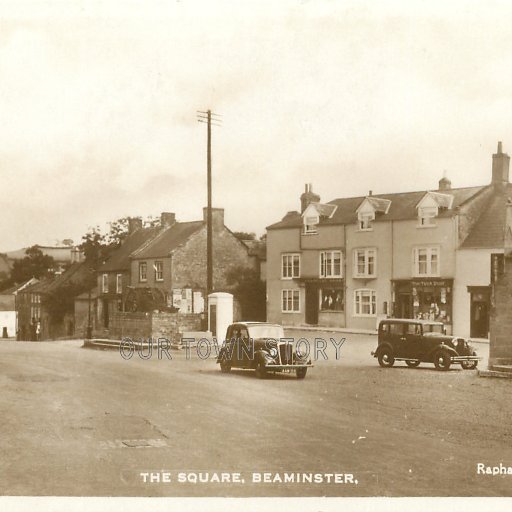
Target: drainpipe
x: 345, y: 273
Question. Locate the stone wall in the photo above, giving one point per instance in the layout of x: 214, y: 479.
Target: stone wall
x: 138, y: 326
x: 500, y: 347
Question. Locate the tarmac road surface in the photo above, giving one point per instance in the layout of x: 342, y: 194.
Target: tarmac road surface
x: 81, y: 422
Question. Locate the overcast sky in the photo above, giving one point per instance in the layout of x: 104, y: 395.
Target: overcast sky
x: 98, y: 106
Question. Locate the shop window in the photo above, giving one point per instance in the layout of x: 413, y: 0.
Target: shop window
x: 365, y: 262
x: 290, y: 301
x: 426, y: 261
x: 330, y: 264
x: 365, y: 302
x: 331, y: 299
x: 290, y: 266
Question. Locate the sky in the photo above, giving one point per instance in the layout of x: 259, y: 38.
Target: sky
x: 98, y: 106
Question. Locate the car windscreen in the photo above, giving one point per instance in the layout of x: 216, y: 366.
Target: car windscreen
x: 266, y: 331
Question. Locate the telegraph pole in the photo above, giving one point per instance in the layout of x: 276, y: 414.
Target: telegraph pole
x: 209, y: 118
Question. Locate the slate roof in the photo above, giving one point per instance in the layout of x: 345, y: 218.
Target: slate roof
x: 167, y: 240
x: 120, y: 259
x: 489, y: 229
x: 403, y: 207
x: 76, y: 273
x: 257, y: 248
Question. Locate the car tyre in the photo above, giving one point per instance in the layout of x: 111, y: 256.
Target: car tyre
x: 412, y: 364
x: 261, y: 371
x: 301, y: 373
x: 386, y: 358
x: 442, y: 360
x: 225, y: 367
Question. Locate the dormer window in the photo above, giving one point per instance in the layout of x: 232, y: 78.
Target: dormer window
x: 310, y: 224
x: 365, y: 222
x: 426, y: 216
x: 429, y: 207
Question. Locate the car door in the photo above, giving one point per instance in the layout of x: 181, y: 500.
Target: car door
x: 232, y: 345
x: 413, y: 347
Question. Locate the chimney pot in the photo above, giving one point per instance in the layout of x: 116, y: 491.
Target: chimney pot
x: 308, y: 197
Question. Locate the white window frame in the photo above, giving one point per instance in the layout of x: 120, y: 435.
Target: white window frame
x: 119, y: 283
x: 430, y: 249
x: 290, y: 294
x: 310, y: 224
x: 143, y: 265
x: 159, y: 271
x: 365, y: 221
x: 327, y: 271
x: 358, y: 302
x: 104, y: 283
x: 426, y: 215
x: 287, y: 266
x: 366, y: 251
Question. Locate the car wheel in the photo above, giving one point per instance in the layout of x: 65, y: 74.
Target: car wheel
x: 386, y: 358
x: 261, y: 371
x: 225, y: 367
x: 442, y: 360
x: 412, y: 364
x: 301, y: 373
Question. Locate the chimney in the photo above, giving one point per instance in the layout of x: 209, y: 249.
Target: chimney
x: 500, y: 165
x: 370, y: 193
x: 508, y: 228
x: 134, y: 223
x: 308, y: 197
x: 217, y: 217
x: 444, y: 183
x: 167, y: 219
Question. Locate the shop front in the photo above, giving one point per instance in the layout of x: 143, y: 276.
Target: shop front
x: 425, y: 299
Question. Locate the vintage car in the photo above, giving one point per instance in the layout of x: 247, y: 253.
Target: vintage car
x: 262, y: 347
x: 422, y: 341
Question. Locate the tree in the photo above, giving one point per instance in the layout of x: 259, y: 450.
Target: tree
x: 242, y: 235
x: 34, y: 264
x: 62, y: 300
x: 250, y: 292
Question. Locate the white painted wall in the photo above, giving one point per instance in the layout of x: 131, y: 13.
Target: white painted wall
x: 8, y: 319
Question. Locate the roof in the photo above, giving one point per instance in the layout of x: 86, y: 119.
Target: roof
x: 76, y: 273
x: 168, y: 239
x: 257, y: 248
x: 403, y: 207
x: 489, y: 230
x: 120, y: 258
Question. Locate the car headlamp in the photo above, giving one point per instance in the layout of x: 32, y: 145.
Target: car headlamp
x: 273, y: 352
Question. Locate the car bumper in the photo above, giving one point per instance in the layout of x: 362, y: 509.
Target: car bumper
x: 461, y: 359
x: 287, y: 366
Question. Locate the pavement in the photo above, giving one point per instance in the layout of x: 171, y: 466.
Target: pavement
x: 80, y: 422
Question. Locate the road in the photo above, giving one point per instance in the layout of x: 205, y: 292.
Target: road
x: 85, y: 422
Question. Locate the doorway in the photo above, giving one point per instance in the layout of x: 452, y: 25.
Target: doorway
x: 479, y: 319
x: 312, y: 304
x: 404, y: 305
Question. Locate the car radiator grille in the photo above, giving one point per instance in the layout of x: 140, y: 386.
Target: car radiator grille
x: 286, y: 353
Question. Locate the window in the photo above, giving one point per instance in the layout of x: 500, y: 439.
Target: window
x: 159, y: 271
x: 330, y: 264
x: 426, y: 216
x: 331, y: 299
x: 119, y: 283
x: 143, y: 271
x: 365, y: 262
x: 290, y: 302
x: 290, y: 266
x: 365, y: 303
x: 310, y: 223
x: 426, y: 261
x: 104, y: 283
x: 365, y: 221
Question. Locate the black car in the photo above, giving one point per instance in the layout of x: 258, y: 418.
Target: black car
x: 422, y: 341
x: 261, y: 347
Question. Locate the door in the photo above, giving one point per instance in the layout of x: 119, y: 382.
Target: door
x: 404, y: 305
x: 105, y: 313
x: 414, y: 346
x: 479, y: 319
x: 312, y: 304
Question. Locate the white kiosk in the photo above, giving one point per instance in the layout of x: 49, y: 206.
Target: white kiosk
x: 220, y: 314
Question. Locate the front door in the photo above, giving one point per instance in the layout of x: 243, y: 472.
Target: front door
x: 312, y: 299
x: 404, y: 305
x: 479, y: 319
